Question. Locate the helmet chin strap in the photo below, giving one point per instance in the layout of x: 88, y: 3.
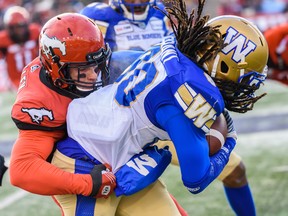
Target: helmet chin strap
x: 215, y: 64
x: 242, y: 70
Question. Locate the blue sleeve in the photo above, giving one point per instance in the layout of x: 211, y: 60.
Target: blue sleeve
x: 97, y: 11
x: 190, y: 142
x: 197, y: 168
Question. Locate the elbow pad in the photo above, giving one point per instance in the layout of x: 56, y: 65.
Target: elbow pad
x: 217, y: 164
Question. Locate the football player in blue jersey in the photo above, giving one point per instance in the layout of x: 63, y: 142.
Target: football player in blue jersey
x: 129, y: 24
x: 122, y: 26
x: 173, y: 91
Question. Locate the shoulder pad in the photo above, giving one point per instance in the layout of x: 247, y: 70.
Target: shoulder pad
x: 153, y: 12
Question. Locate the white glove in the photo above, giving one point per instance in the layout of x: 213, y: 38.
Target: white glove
x: 230, y: 125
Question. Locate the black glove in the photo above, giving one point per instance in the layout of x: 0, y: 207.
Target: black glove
x: 3, y: 168
x: 104, y: 181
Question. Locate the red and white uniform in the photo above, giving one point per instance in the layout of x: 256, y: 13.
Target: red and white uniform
x: 40, y: 113
x: 277, y: 39
x: 18, y: 55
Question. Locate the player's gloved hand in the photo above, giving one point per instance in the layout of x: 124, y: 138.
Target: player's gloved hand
x: 3, y: 168
x: 230, y: 125
x: 104, y: 181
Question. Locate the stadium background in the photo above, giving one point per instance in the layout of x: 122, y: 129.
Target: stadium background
x: 263, y: 135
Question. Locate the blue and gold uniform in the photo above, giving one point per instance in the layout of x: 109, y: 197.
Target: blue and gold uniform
x: 123, y: 34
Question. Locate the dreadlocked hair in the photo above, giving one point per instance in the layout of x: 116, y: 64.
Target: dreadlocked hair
x: 237, y: 96
x: 201, y: 43
x: 195, y: 39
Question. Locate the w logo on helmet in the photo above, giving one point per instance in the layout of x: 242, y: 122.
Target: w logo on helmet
x: 53, y: 42
x: 238, y: 44
x: 37, y: 115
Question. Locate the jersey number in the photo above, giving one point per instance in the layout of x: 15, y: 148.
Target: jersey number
x: 135, y: 80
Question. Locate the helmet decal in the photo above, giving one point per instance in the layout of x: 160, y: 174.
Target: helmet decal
x: 53, y: 43
x: 237, y: 43
x: 240, y: 68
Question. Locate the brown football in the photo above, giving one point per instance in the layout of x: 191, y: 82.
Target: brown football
x: 217, y: 134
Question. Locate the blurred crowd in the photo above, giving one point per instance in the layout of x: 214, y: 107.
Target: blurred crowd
x: 264, y: 13
x: 42, y: 10
x: 248, y: 7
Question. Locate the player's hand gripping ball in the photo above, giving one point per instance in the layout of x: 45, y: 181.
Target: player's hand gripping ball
x: 217, y: 135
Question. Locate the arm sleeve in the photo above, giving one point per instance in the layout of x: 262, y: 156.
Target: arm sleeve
x: 197, y: 168
x: 30, y: 171
x: 189, y: 141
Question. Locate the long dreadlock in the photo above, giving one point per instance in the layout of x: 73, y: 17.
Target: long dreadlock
x: 201, y: 43
x: 192, y: 34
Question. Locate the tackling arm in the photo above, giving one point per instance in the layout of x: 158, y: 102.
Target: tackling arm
x: 30, y: 170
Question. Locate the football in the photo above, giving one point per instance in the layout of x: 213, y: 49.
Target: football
x: 217, y: 134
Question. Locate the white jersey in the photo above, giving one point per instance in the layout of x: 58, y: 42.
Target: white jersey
x: 118, y: 121
x: 112, y: 133
x: 122, y: 34
x: 133, y: 37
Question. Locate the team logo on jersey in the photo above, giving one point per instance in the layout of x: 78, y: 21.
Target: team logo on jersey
x: 37, y: 115
x: 123, y: 28
x: 238, y: 44
x: 53, y: 43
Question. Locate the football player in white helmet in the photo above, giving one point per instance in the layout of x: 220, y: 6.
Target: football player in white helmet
x: 129, y: 24
x: 18, y: 44
x: 134, y: 10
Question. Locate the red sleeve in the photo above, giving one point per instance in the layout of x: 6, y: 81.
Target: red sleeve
x: 280, y: 76
x: 30, y: 171
x: 273, y: 37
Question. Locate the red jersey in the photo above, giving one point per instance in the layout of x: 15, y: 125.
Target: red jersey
x: 18, y: 55
x: 40, y: 113
x: 38, y: 104
x: 277, y: 39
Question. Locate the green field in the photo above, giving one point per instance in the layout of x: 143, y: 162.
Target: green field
x: 264, y: 153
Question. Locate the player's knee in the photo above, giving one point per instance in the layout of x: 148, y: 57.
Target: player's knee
x: 237, y: 178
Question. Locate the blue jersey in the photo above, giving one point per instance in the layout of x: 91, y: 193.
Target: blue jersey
x: 162, y: 95
x: 120, y: 60
x: 122, y: 34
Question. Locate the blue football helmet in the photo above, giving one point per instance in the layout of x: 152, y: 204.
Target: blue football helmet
x: 134, y: 10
